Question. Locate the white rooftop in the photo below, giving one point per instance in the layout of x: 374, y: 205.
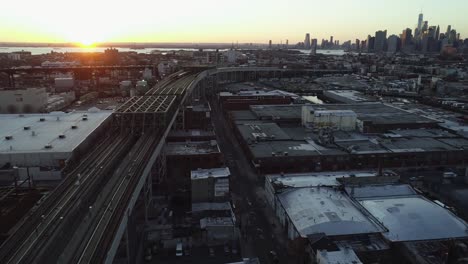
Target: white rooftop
x: 343, y: 256
x: 30, y: 135
x: 380, y: 191
x: 324, y: 210
x: 415, y: 218
x: 298, y: 180
x: 206, y: 173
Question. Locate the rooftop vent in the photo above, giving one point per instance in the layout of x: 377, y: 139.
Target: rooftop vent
x: 48, y: 146
x: 8, y: 137
x: 26, y: 127
x: 74, y: 127
x: 62, y: 136
x: 42, y: 119
x: 84, y: 118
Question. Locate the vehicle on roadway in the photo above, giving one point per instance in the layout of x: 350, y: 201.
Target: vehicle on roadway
x: 179, y: 250
x: 449, y: 175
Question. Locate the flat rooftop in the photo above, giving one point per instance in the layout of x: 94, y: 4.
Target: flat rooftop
x: 199, y: 207
x: 348, y: 95
x: 268, y: 112
x: 343, y: 81
x: 207, y: 173
x: 380, y: 191
x: 242, y: 115
x: 431, y: 133
x: 292, y: 148
x: 264, y: 131
x: 30, y: 135
x: 362, y: 147
x: 191, y: 133
x: 314, y: 179
x: 415, y: 218
x: 191, y: 148
x: 377, y: 113
x: 325, y: 210
x: 268, y: 93
x: 342, y: 256
x: 401, y: 145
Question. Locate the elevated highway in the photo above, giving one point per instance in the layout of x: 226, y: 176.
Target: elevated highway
x: 92, y: 212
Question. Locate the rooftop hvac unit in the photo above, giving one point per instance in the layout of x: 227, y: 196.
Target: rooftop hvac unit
x: 48, y: 146
x: 27, y: 128
x: 42, y: 119
x: 84, y: 118
x: 74, y: 127
x: 62, y: 136
x: 8, y: 137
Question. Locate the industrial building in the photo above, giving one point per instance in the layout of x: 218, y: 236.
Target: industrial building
x: 371, y: 215
x: 30, y: 100
x: 210, y: 185
x: 241, y: 100
x: 197, y: 116
x: 183, y: 157
x: 190, y: 135
x: 43, y: 143
x: 64, y: 84
x: 300, y: 138
x: 347, y: 96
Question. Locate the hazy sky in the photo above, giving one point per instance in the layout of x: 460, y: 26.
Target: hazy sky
x: 218, y: 20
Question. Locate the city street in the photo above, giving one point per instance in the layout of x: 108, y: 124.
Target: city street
x: 259, y: 228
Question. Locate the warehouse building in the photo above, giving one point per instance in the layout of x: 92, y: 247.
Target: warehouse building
x: 301, y: 138
x: 43, y: 143
x: 31, y: 100
x: 347, y: 96
x: 339, y: 211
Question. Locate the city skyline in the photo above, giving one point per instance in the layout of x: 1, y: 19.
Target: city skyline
x: 207, y: 21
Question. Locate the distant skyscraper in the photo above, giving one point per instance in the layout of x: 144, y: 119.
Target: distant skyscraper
x: 431, y: 32
x: 452, y: 36
x: 380, y: 40
x: 449, y: 28
x: 393, y: 44
x: 287, y: 44
x: 358, y: 45
x: 437, y: 33
x: 269, y: 44
x: 370, y: 43
x: 418, y: 30
x: 420, y: 22
x: 425, y: 27
x: 406, y: 37
x: 307, y: 41
x: 314, y: 44
x: 331, y: 40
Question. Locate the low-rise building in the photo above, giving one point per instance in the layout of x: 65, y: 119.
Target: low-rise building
x: 210, y: 185
x: 43, y: 143
x: 30, y: 100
